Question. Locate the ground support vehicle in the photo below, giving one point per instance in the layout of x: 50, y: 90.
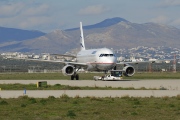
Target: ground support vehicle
x: 115, y: 75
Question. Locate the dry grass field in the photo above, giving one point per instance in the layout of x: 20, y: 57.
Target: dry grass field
x: 90, y: 108
x: 84, y: 76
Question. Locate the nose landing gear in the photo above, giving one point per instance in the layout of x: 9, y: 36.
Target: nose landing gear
x: 76, y: 76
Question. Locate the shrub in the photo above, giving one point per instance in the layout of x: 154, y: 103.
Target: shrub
x: 125, y: 97
x: 32, y: 100
x: 57, y: 85
x: 3, y: 102
x: 43, y: 101
x: 96, y: 113
x: 75, y: 102
x: 163, y: 88
x: 178, y: 97
x: 165, y: 97
x: 95, y: 98
x: 134, y: 113
x: 71, y: 114
x: 23, y: 105
x: 23, y: 97
x: 136, y: 103
x: 64, y: 96
x: 51, y: 97
x: 171, y: 105
x: 77, y: 96
x: 142, y: 88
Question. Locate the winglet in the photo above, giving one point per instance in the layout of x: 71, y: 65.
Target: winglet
x: 82, y: 38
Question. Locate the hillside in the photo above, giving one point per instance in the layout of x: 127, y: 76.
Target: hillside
x: 12, y: 34
x: 112, y: 33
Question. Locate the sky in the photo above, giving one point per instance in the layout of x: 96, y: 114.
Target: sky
x: 49, y: 15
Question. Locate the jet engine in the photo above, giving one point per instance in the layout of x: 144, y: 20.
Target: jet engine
x: 68, y: 70
x: 128, y: 71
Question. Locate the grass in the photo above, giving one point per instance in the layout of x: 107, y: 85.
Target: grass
x: 44, y: 76
x: 89, y: 108
x: 156, y: 75
x: 84, y: 76
x: 67, y: 108
x: 18, y: 86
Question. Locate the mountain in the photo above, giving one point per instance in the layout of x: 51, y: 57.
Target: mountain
x: 128, y: 35
x: 12, y: 34
x: 57, y: 41
x: 113, y: 33
x: 103, y: 24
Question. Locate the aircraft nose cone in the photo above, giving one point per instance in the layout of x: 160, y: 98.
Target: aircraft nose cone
x: 109, y: 64
x: 112, y: 60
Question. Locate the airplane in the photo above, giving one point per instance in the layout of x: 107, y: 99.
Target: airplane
x: 102, y: 59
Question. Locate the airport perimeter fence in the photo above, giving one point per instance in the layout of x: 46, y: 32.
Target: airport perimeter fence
x: 155, y: 67
x: 10, y: 70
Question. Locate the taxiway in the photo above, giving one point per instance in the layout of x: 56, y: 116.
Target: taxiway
x: 172, y: 88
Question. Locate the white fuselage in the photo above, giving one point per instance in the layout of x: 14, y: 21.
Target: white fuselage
x: 97, y: 59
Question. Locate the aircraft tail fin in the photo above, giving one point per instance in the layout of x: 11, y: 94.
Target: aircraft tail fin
x: 82, y: 38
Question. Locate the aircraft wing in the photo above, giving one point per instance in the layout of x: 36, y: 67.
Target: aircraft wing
x: 40, y: 60
x: 135, y: 62
x: 153, y: 61
x: 77, y: 64
x: 54, y: 61
x: 73, y: 56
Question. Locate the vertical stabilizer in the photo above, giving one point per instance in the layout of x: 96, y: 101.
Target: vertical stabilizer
x: 82, y: 38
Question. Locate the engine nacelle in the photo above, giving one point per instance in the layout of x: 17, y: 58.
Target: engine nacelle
x: 68, y: 70
x: 128, y: 71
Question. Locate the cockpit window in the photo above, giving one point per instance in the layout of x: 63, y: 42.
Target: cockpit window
x: 106, y: 55
x: 101, y: 55
x: 93, y: 52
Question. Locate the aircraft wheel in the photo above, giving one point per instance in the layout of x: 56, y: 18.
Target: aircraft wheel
x: 72, y: 77
x: 77, y: 77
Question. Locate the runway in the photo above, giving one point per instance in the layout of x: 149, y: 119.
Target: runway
x: 170, y: 84
x: 88, y: 93
x: 172, y: 88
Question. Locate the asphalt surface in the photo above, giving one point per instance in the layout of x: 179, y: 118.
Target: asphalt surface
x: 172, y: 88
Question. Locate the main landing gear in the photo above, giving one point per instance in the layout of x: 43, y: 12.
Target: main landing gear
x: 75, y: 75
